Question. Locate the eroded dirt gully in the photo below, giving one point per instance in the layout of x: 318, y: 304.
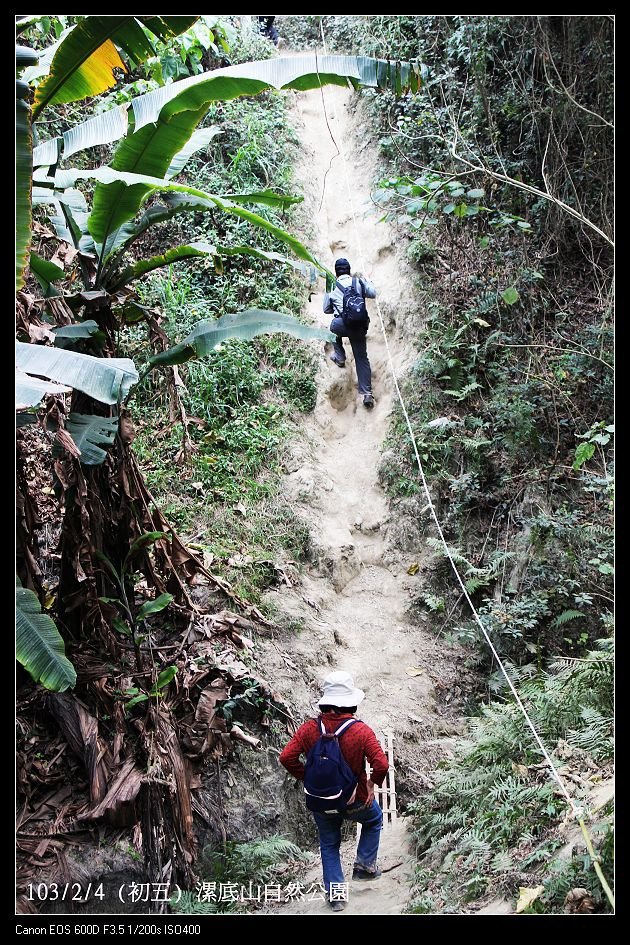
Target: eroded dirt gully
x: 355, y: 593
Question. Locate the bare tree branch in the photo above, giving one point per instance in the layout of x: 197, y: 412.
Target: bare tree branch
x: 529, y: 188
x: 564, y: 88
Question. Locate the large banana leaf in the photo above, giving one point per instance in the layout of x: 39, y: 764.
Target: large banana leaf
x: 208, y: 334
x: 105, y: 379
x: 165, y: 119
x: 295, y: 72
x: 104, y: 129
x: 199, y: 248
x: 47, y: 153
x: 84, y: 62
x: 91, y: 433
x: 30, y: 390
x: 198, y: 140
x: 38, y: 644
x: 173, y: 204
x: 102, y: 223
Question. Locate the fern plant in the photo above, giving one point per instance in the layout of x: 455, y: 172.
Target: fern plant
x: 239, y: 866
x: 252, y: 861
x: 494, y: 808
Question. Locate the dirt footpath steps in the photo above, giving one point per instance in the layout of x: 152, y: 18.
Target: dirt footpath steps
x: 386, y: 895
x: 353, y: 599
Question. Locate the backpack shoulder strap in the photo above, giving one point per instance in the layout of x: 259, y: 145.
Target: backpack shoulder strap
x: 342, y: 288
x: 344, y: 727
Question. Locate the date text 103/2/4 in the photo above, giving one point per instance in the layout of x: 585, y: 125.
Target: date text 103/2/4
x: 129, y: 892
x: 73, y: 892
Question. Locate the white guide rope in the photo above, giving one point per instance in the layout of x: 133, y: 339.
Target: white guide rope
x: 577, y: 811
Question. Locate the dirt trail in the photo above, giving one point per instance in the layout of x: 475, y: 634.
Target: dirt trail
x: 353, y: 598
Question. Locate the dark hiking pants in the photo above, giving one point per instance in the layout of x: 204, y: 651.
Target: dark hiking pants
x: 358, y: 344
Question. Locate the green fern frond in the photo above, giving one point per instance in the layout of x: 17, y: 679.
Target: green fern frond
x: 190, y: 904
x: 474, y: 583
x: 255, y: 860
x: 471, y: 445
x: 565, y: 617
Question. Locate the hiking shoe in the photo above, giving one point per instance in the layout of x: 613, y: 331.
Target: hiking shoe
x: 360, y: 873
x: 337, y: 361
x: 368, y: 401
x: 338, y: 905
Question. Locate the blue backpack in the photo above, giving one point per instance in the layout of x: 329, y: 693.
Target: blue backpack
x: 354, y: 311
x: 329, y: 781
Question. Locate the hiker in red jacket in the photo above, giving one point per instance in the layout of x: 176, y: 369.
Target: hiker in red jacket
x: 358, y: 743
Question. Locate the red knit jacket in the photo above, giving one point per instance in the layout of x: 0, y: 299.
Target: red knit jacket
x: 357, y: 744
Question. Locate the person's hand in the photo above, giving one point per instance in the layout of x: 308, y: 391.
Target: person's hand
x: 370, y: 790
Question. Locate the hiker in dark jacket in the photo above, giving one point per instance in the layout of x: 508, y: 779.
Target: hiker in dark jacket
x: 333, y: 305
x: 266, y: 27
x: 359, y: 743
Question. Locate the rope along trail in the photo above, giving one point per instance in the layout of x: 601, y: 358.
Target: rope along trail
x: 577, y: 812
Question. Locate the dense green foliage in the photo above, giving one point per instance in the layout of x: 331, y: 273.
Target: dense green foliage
x: 250, y: 866
x: 492, y: 811
x: 241, y: 401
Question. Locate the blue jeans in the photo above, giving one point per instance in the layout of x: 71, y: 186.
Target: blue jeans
x: 359, y: 350
x: 329, y: 827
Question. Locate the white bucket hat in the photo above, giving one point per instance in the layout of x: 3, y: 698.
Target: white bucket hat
x: 339, y: 691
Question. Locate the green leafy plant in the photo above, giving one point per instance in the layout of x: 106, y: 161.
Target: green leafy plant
x: 130, y: 619
x: 258, y: 862
x: 39, y: 646
x: 164, y: 679
x: 598, y: 435
x: 418, y: 202
x: 494, y: 809
x: 250, y: 700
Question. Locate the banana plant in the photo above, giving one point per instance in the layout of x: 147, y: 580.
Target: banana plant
x: 82, y: 64
x: 159, y: 132
x: 79, y: 65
